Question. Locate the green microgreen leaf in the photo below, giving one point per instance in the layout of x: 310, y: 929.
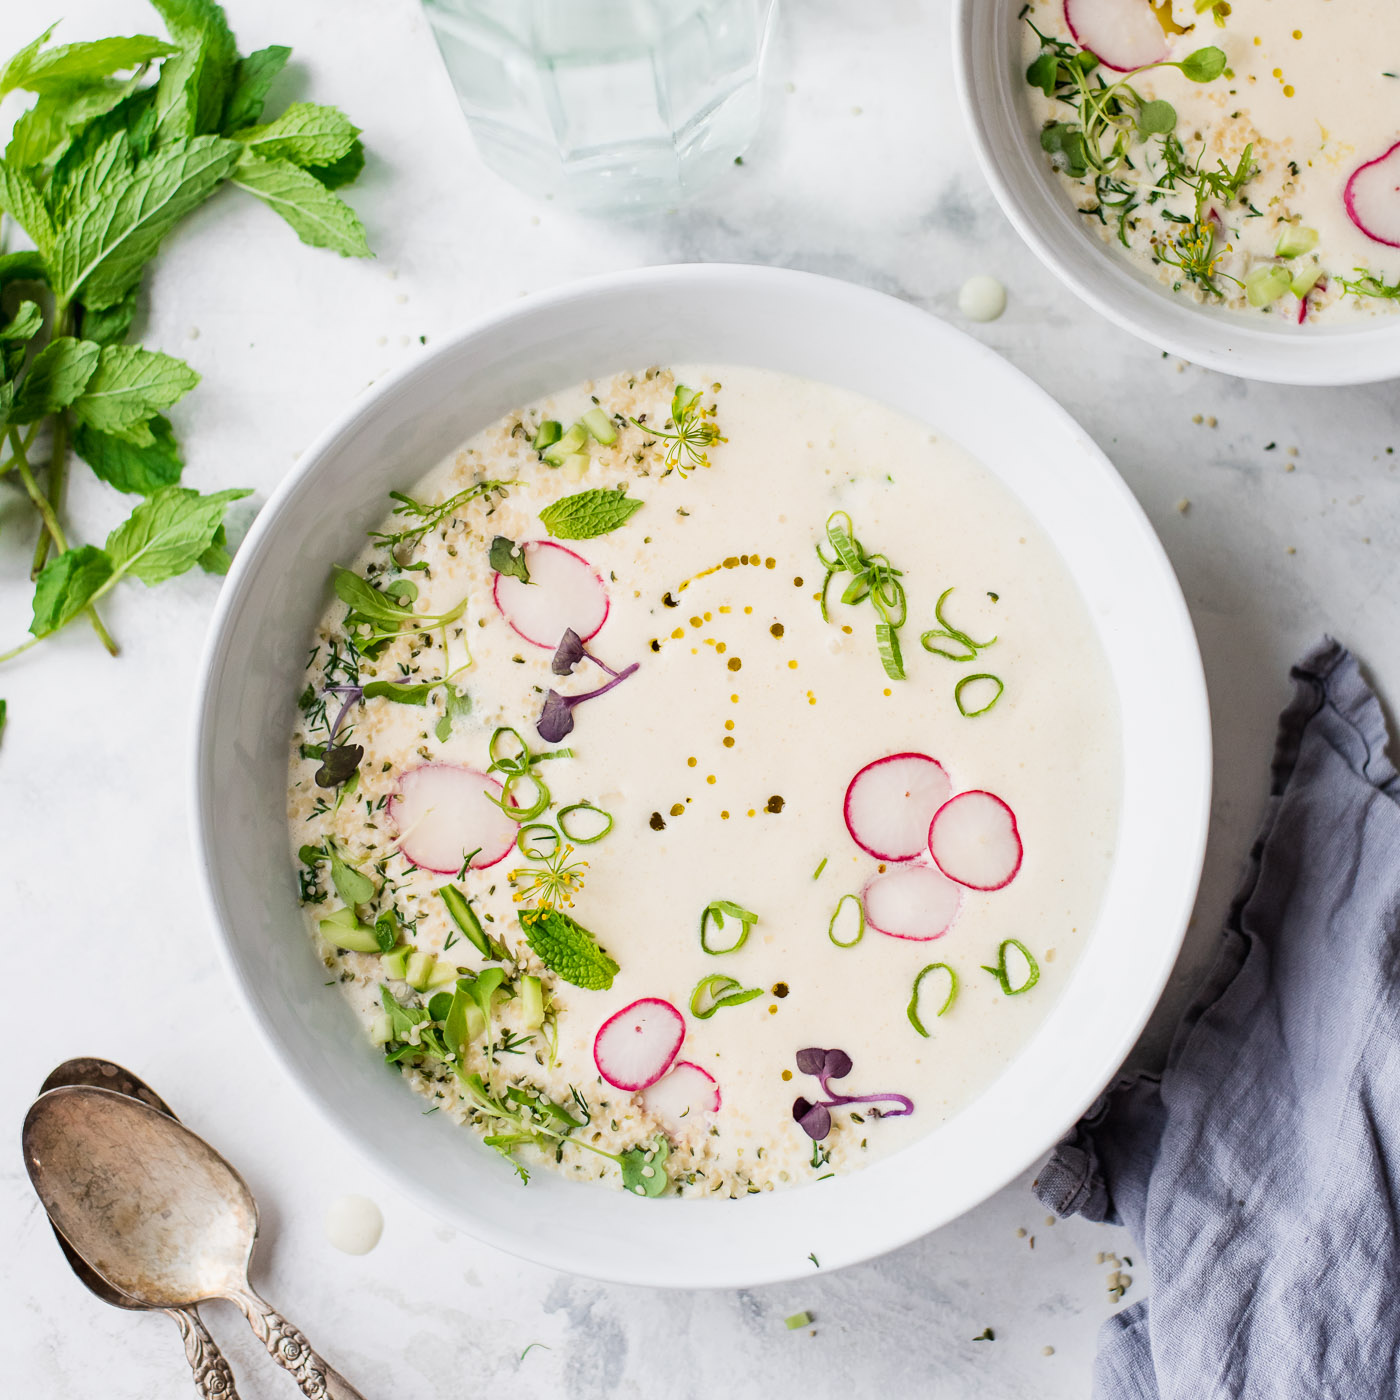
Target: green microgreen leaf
x: 644, y: 1168
x: 504, y: 559
x: 1203, y: 66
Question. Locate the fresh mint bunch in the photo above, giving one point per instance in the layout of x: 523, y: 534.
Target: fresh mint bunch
x: 125, y: 137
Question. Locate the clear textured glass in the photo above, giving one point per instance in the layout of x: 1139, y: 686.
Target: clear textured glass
x: 607, y: 104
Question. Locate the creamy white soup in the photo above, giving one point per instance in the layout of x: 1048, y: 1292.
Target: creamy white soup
x: 705, y: 781
x: 1245, y: 151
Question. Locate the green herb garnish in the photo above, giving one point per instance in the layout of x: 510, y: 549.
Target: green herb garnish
x: 872, y: 577
x: 797, y: 1320
x: 715, y: 913
x: 584, y: 840
x: 556, y: 883
x: 1369, y: 285
x: 525, y: 841
x: 717, y: 991
x: 589, y: 514
x: 913, y: 1009
x: 836, y: 915
x: 972, y: 680
x: 98, y: 171
x: 504, y: 559
x: 1004, y: 977
x: 945, y: 631
x: 817, y: 873
x: 377, y: 617
x: 430, y: 517
x: 568, y: 949
x: 518, y: 765
x: 459, y: 907
x: 688, y: 432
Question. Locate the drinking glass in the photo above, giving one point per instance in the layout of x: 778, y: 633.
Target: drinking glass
x: 607, y: 104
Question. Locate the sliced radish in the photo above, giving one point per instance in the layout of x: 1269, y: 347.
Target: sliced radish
x: 913, y: 901
x: 442, y: 814
x: 564, y: 593
x: 1373, y: 198
x: 973, y: 839
x: 635, y: 1048
x: 684, y: 1097
x: 890, y: 803
x: 1121, y: 34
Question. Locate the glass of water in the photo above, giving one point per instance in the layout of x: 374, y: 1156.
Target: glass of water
x: 607, y: 105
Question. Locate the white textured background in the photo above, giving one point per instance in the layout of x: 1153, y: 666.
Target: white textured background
x: 863, y: 172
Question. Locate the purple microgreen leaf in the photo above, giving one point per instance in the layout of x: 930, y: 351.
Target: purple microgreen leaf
x: 339, y: 764
x: 352, y: 694
x: 813, y: 1118
x: 811, y: 1061
x: 837, y: 1066
x: 556, y: 719
x: 569, y: 654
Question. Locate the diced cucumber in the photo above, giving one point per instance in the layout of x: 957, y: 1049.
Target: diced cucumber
x: 1293, y: 242
x: 576, y: 464
x: 380, y: 1029
x: 1305, y: 279
x: 600, y: 426
x: 343, y: 930
x: 395, y: 962
x: 1266, y: 283
x: 419, y: 972
x: 575, y: 440
x: 548, y: 433
x: 531, y: 1003
x: 444, y: 975
x: 465, y: 1021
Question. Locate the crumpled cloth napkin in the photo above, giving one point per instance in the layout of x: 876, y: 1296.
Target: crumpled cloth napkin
x: 1260, y: 1171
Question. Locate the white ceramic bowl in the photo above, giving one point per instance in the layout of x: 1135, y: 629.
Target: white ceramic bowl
x: 805, y: 325
x: 991, y: 78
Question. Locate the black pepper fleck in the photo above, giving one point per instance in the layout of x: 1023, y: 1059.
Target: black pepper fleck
x: 775, y: 804
x: 658, y: 822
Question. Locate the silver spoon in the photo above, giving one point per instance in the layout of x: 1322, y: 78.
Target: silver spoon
x: 212, y: 1376
x: 158, y: 1214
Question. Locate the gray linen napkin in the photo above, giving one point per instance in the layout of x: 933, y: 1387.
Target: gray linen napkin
x: 1260, y: 1171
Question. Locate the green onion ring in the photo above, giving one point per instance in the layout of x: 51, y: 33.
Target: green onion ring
x: 1001, y: 974
x: 722, y: 992
x: 967, y: 681
x: 831, y: 927
x: 953, y: 632
x: 584, y: 807
x: 914, y: 998
x: 534, y: 853
x: 715, y: 912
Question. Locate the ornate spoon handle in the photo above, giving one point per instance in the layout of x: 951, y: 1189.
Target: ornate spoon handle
x: 212, y: 1377
x: 289, y: 1349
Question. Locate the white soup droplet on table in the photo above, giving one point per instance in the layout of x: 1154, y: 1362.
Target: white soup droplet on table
x: 982, y: 298
x: 354, y: 1224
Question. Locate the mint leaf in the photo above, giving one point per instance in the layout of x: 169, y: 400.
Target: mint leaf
x: 83, y: 174
x: 25, y: 266
x: 130, y: 386
x: 320, y: 218
x: 25, y: 324
x: 195, y: 84
x: 567, y: 949
x: 305, y: 134
x: 345, y: 171
x: 109, y: 324
x: 58, y: 374
x: 66, y: 586
x: 167, y: 533
x: 589, y: 514
x: 504, y: 560
x: 216, y: 559
x: 100, y: 254
x: 44, y: 131
x: 251, y: 84
x: 49, y: 71
x: 21, y: 200
x: 22, y: 60
x: 127, y: 466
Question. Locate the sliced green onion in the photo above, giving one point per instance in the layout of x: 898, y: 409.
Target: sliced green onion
x: 1266, y: 283
x: 887, y: 644
x: 547, y: 434
x: 797, y: 1320
x: 947, y: 1003
x: 531, y: 1003
x: 465, y: 917
x: 970, y: 680
x: 715, y: 912
x: 533, y: 852
x: 1004, y: 977
x: 860, y: 924
x: 343, y: 930
x: 599, y: 426
x: 719, y: 991
x: 584, y: 807
x: 575, y: 440
x: 1293, y: 242
x: 817, y: 873
x: 841, y: 535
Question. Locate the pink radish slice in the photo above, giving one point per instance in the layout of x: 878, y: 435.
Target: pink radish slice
x: 913, y: 901
x: 1121, y: 34
x: 442, y: 815
x: 683, y: 1097
x: 635, y: 1048
x: 890, y: 803
x: 974, y: 840
x: 1373, y: 198
x: 564, y: 592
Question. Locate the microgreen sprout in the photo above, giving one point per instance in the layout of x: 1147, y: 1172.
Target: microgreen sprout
x: 556, y: 719
x: 429, y: 517
x: 688, y: 432
x: 825, y: 1065
x: 873, y: 577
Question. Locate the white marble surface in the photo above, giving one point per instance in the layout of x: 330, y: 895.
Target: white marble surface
x: 862, y: 172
